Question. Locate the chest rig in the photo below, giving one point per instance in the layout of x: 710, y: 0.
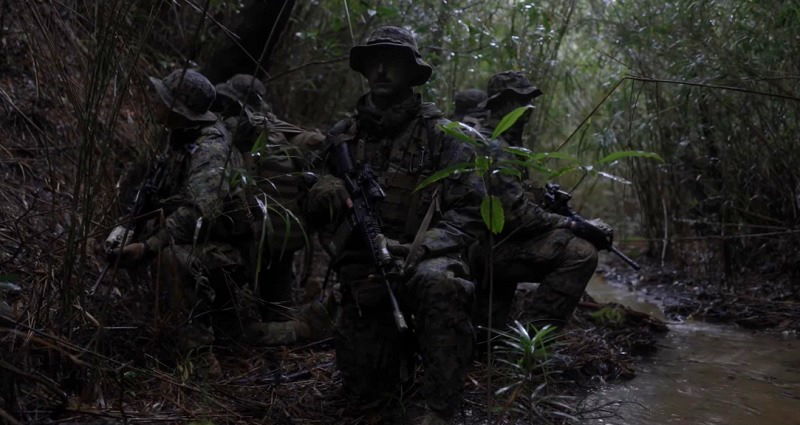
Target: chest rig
x: 401, y: 160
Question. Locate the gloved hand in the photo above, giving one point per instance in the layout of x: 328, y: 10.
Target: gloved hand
x: 327, y: 199
x: 397, y: 249
x: 400, y: 252
x: 119, y: 237
x: 595, y: 231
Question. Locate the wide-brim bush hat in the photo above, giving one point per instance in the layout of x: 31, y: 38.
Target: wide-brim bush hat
x: 395, y: 38
x: 509, y: 84
x: 243, y: 88
x: 187, y: 93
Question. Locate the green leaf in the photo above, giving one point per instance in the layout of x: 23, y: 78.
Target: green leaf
x: 561, y: 171
x: 444, y: 173
x: 528, y: 154
x: 456, y: 129
x: 482, y: 163
x: 520, y: 151
x: 492, y: 214
x: 629, y: 154
x: 509, y: 171
x: 613, y: 177
x: 509, y: 120
x: 260, y: 143
x: 555, y: 155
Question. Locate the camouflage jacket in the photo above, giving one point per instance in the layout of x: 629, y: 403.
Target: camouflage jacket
x: 404, y: 145
x: 201, y: 202
x: 521, y: 200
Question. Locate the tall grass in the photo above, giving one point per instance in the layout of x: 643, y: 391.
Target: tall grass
x: 730, y: 186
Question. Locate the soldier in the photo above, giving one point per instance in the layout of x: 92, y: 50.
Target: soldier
x: 198, y: 260
x: 507, y: 91
x: 397, y: 135
x: 277, y: 170
x: 468, y: 108
x: 557, y: 251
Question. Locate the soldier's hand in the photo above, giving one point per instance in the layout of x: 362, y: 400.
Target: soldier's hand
x: 327, y: 199
x: 130, y: 254
x: 599, y: 236
x: 397, y: 249
x: 119, y: 237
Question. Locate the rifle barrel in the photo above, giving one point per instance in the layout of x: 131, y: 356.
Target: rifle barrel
x: 625, y: 258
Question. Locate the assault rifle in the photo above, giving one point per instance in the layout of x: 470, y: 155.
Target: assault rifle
x: 365, y: 193
x: 132, y: 223
x: 557, y: 201
x: 143, y: 201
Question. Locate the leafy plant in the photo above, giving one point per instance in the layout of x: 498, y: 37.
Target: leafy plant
x: 527, y: 367
x: 493, y: 160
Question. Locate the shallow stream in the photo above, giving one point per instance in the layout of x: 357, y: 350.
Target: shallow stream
x: 705, y: 374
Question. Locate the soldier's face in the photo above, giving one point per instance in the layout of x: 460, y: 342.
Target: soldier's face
x: 388, y: 73
x: 508, y: 104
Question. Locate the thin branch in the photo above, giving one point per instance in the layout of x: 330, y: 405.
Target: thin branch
x: 306, y: 65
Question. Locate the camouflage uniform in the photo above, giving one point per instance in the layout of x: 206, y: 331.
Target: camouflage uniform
x: 543, y: 247
x: 403, y: 144
x: 276, y: 155
x: 196, y: 239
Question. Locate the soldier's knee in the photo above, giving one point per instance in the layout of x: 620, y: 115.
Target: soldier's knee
x: 443, y: 278
x: 582, y: 252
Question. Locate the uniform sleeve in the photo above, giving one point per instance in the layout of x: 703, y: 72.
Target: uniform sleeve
x: 459, y: 201
x: 461, y: 196
x: 205, y: 189
x: 520, y: 207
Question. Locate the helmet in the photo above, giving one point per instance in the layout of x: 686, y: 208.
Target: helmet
x: 188, y: 93
x: 243, y: 88
x: 395, y: 38
x: 509, y: 83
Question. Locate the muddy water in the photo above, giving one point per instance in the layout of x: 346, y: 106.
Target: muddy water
x: 705, y: 374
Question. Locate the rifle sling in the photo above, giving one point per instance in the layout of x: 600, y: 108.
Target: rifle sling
x: 423, y: 227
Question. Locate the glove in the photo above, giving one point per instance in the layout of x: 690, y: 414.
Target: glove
x: 327, y: 199
x: 400, y: 252
x: 118, y: 238
x: 397, y: 249
x: 595, y: 231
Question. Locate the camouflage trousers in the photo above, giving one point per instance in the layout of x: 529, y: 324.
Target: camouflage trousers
x: 374, y: 358
x: 561, y: 262
x: 200, y: 292
x: 275, y: 276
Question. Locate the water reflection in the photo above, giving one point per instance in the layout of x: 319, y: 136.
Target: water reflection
x: 706, y: 374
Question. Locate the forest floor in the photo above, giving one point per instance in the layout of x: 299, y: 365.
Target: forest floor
x: 768, y: 302
x: 117, y: 375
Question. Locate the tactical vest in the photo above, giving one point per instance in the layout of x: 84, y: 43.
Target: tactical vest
x: 401, y: 162
x: 277, y: 167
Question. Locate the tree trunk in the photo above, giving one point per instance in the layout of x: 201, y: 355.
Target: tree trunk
x: 258, y: 27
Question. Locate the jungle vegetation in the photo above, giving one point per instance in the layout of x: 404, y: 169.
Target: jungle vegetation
x: 709, y: 86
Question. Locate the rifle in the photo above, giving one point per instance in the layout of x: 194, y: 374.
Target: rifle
x: 143, y: 200
x: 557, y: 201
x: 365, y: 193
